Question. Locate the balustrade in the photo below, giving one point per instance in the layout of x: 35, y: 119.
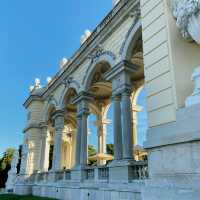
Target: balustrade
x: 140, y: 170
x: 89, y: 173
x: 67, y: 175
x: 103, y: 173
x: 59, y: 175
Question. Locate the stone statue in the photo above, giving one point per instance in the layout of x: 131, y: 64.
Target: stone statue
x: 187, y: 14
x: 12, y: 174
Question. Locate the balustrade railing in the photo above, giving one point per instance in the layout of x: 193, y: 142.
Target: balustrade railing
x: 59, y: 175
x: 140, y: 170
x: 89, y: 173
x: 67, y: 175
x: 32, y: 178
x: 40, y: 177
x: 103, y: 173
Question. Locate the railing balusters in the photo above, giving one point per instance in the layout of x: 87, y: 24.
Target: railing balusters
x: 140, y: 170
x: 89, y: 173
x: 103, y: 173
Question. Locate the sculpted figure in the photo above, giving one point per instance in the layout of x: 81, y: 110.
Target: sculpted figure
x: 12, y: 174
x: 187, y: 14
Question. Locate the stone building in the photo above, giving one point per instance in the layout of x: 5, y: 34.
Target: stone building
x: 147, y: 43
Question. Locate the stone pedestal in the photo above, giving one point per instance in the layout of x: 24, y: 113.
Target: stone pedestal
x: 121, y: 171
x: 174, y: 158
x: 77, y: 175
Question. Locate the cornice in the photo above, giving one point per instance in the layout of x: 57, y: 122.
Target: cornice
x: 32, y: 98
x: 32, y: 125
x: 102, y: 31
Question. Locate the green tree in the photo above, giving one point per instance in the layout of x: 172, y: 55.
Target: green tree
x: 91, y: 152
x: 5, y: 164
x: 110, y: 149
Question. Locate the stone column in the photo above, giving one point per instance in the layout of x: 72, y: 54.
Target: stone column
x: 127, y: 124
x: 117, y: 129
x: 45, y: 146
x: 101, y: 134
x: 25, y: 157
x: 78, y: 138
x: 77, y: 174
x: 82, y: 131
x: 84, y: 134
x: 121, y: 77
x: 59, y: 126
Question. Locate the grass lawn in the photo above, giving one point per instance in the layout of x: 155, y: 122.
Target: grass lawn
x: 17, y: 197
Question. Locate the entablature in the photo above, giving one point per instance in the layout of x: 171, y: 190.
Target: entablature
x: 123, y: 10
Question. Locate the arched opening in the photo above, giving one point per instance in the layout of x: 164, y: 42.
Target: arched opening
x: 134, y: 53
x: 50, y: 136
x: 70, y: 129
x: 101, y: 91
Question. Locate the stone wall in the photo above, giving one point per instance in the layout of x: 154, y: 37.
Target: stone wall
x: 158, y: 69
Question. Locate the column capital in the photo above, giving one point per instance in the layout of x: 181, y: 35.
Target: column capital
x: 59, y: 119
x: 82, y: 103
x: 121, y: 67
x: 116, y: 97
x: 126, y: 91
x: 83, y: 96
x: 58, y: 113
x: 43, y: 125
x: 121, y: 76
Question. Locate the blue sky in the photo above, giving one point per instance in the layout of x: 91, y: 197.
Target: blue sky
x: 34, y: 35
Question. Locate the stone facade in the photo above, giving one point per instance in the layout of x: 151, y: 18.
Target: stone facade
x: 137, y: 45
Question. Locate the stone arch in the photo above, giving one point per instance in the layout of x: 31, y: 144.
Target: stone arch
x: 106, y: 109
x: 73, y: 85
x: 136, y: 92
x: 52, y: 104
x: 106, y: 58
x: 131, y: 40
x: 94, y: 109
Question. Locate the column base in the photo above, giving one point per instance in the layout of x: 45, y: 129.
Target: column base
x: 121, y: 171
x: 51, y: 176
x: 77, y: 174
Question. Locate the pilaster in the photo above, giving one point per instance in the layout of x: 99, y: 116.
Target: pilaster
x: 59, y: 126
x: 45, y: 146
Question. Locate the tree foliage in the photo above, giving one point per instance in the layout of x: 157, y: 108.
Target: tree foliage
x: 91, y: 152
x: 110, y: 149
x: 5, y: 164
